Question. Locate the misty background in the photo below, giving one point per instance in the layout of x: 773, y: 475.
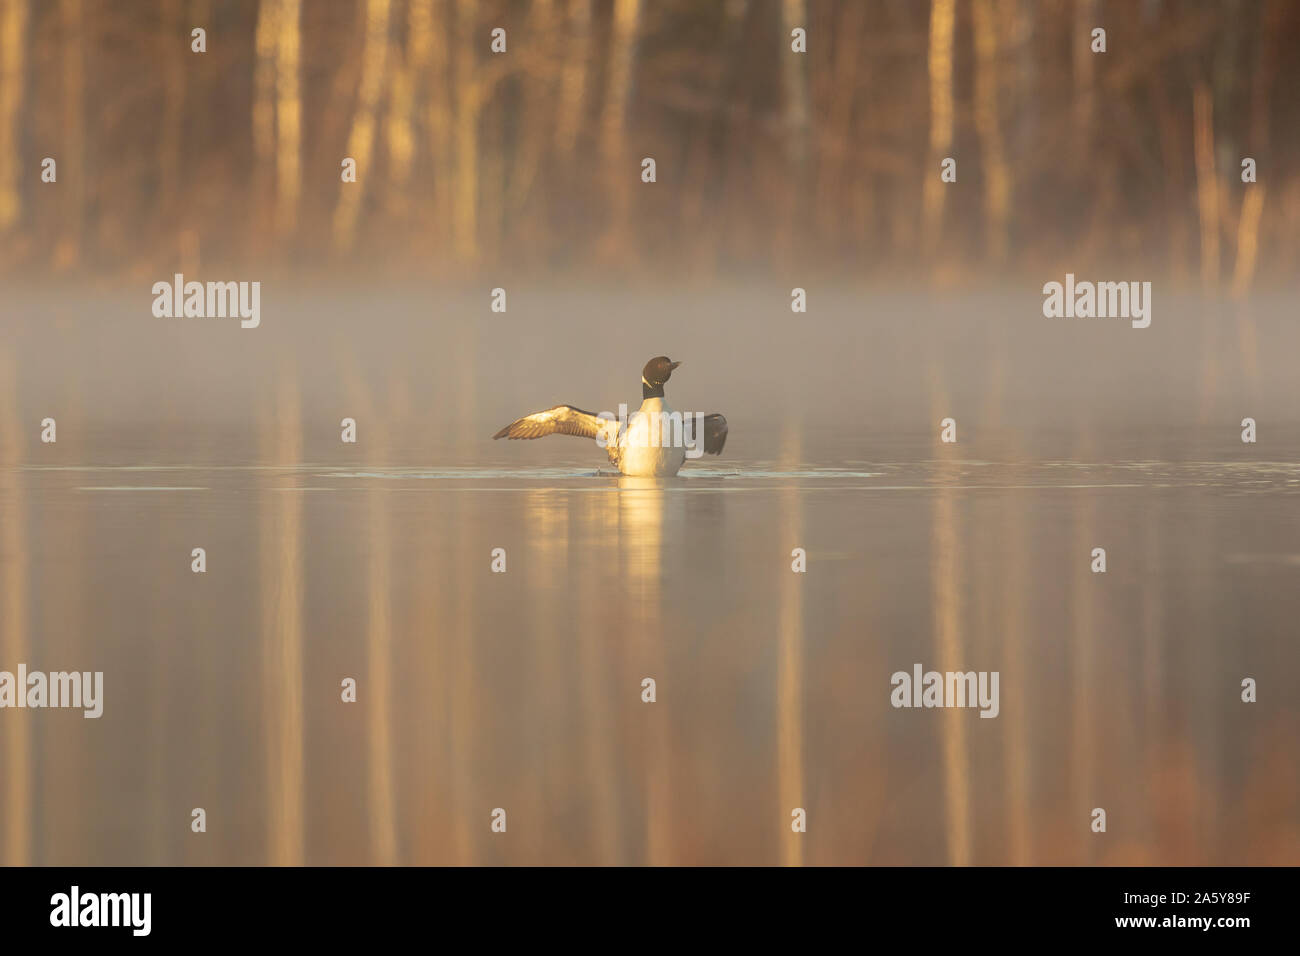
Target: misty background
x: 776, y: 170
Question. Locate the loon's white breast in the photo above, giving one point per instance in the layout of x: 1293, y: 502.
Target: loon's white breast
x: 649, y: 448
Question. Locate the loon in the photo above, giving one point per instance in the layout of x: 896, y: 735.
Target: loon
x: 653, y: 445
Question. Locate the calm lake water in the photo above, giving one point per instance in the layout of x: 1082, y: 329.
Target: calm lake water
x: 523, y: 690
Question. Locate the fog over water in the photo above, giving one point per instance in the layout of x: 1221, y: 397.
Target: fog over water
x: 865, y: 368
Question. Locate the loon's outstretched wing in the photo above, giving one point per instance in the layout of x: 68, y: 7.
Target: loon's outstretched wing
x: 560, y: 420
x: 715, y: 433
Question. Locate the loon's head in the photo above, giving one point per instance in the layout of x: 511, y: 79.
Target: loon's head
x: 657, y: 371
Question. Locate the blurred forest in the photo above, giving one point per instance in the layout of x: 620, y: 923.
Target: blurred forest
x: 827, y: 161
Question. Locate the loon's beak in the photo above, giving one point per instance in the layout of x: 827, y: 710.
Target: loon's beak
x: 673, y: 365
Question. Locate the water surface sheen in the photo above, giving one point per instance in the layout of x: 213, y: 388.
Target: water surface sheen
x: 522, y: 689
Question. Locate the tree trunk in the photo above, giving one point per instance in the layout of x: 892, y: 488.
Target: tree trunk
x: 1207, y: 189
x: 465, y: 208
x: 535, y: 108
x: 622, y: 175
x: 1257, y: 147
x: 74, y: 131
x: 794, y: 77
x: 13, y: 39
x: 573, y: 79
x: 997, y: 181
x: 622, y: 65
x: 1084, y: 63
x: 361, y: 141
x: 942, y: 17
x: 398, y: 125
x: 429, y: 25
x: 794, y: 132
x: 288, y: 120
x: 264, y: 107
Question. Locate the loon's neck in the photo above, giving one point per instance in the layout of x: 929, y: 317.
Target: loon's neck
x: 651, y: 391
